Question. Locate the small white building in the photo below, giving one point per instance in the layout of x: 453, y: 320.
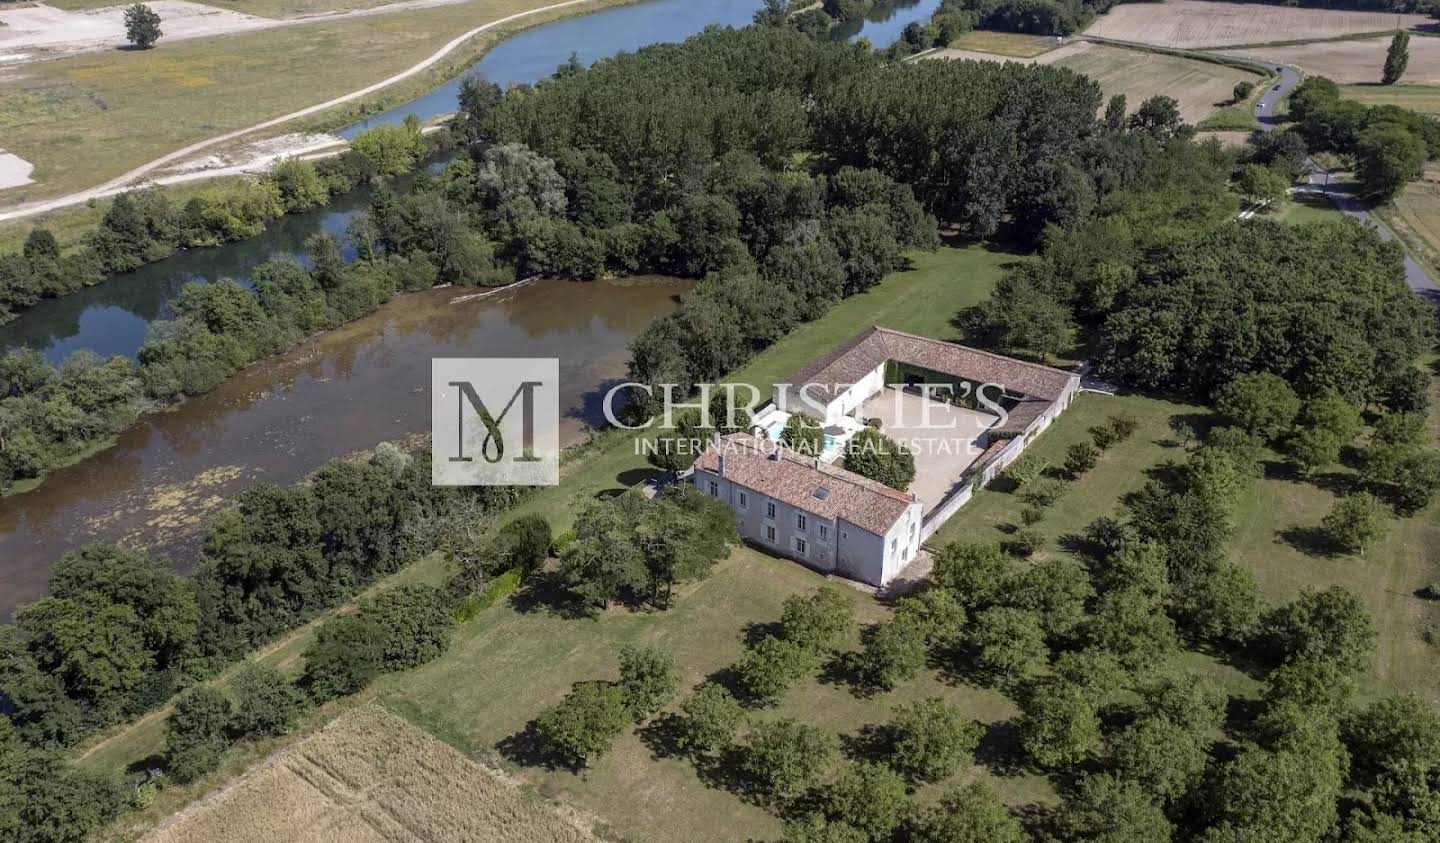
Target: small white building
x: 980, y: 411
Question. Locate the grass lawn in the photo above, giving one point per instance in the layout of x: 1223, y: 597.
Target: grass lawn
x: 1308, y: 207
x: 1406, y: 559
x: 86, y: 119
x: 1422, y: 98
x: 1200, y: 87
x: 1013, y: 44
x: 491, y: 683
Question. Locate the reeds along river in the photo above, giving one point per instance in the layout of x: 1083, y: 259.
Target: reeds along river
x: 350, y: 388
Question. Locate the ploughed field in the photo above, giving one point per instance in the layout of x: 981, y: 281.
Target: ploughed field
x: 1199, y: 23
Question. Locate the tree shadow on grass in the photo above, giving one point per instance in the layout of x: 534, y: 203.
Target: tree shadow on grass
x: 526, y: 749
x: 1311, y: 541
x: 873, y: 742
x: 662, y: 736
x: 756, y: 631
x: 723, y: 771
x: 543, y: 592
x: 634, y: 476
x: 1000, y: 750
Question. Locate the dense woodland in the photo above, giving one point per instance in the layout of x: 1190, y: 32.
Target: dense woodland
x: 788, y: 173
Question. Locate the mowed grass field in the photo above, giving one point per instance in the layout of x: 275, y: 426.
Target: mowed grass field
x: 1201, y: 87
x: 1012, y: 44
x: 86, y: 119
x: 371, y: 776
x: 1203, y: 23
x: 1422, y: 98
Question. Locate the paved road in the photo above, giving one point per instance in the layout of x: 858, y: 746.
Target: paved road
x: 1318, y: 181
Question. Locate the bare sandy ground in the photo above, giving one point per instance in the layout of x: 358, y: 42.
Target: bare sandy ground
x: 14, y: 170
x: 1353, y: 61
x: 1202, y: 23
x: 41, y: 30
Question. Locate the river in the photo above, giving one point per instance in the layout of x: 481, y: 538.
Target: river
x: 349, y: 388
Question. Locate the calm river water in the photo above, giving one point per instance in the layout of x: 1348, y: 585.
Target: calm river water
x: 352, y: 387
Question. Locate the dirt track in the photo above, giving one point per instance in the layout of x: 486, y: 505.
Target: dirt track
x: 125, y: 180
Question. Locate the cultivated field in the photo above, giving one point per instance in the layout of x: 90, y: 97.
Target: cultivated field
x: 1201, y: 23
x: 371, y: 777
x: 263, y: 8
x: 1359, y: 61
x: 89, y: 118
x: 1414, y: 215
x: 1199, y: 86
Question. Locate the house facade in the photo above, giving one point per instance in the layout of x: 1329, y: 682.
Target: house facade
x: 826, y: 518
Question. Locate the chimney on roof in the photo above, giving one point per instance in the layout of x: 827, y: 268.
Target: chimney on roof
x: 722, y: 463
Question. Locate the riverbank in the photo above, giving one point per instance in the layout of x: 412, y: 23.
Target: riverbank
x: 95, y: 115
x: 362, y: 383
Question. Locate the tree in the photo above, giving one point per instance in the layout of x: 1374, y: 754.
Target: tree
x: 1331, y: 624
x: 390, y: 149
x: 970, y: 813
x: 785, y: 757
x: 876, y: 456
x: 1259, y: 402
x: 142, y: 26
x: 1009, y: 643
x: 1059, y: 724
x: 1259, y: 183
x: 869, y: 797
x: 1158, y: 116
x: 708, y: 720
x: 416, y: 622
x: 1104, y: 808
x: 892, y: 652
x: 803, y: 434
x: 1396, y: 58
x: 820, y: 621
x: 1165, y: 758
x: 1387, y: 157
x: 1080, y: 458
x: 936, y: 613
x: 774, y: 664
x: 649, y: 679
x: 1354, y: 521
x: 301, y: 187
x: 522, y: 543
x: 347, y: 654
x: 266, y: 703
x: 1114, y: 118
x: 44, y: 798
x: 932, y: 739
x: 975, y: 574
x: 1243, y: 89
x: 584, y: 725
x: 1390, y: 733
x: 195, y: 733
x: 1057, y: 591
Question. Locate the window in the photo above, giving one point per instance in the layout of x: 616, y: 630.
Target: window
x: 800, y: 521
x: 894, y: 543
x: 844, y: 534
x: 744, y: 500
x: 714, y: 489
x: 770, y: 534
x: 801, y: 547
x: 912, y: 529
x: 824, y: 531
x: 769, y: 509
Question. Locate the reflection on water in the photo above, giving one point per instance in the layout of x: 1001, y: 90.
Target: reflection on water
x: 342, y: 391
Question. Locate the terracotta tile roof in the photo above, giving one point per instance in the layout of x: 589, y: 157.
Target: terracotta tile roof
x: 861, y: 354
x: 821, y: 489
x: 1022, y: 415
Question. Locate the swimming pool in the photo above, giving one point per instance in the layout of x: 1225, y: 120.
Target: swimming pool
x: 776, y: 427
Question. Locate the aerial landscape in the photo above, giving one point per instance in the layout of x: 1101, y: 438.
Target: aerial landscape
x: 959, y: 421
